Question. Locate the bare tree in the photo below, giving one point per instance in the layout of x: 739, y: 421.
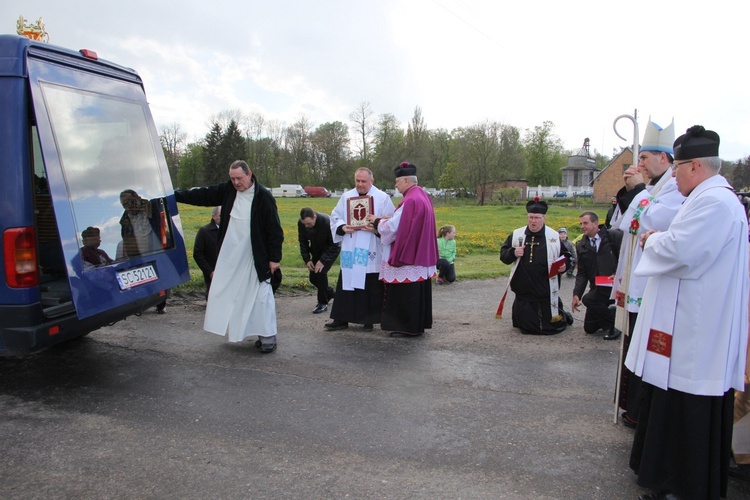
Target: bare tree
x: 331, y: 152
x: 478, y: 151
x: 363, y: 129
x: 258, y: 147
x: 299, y: 148
x: 276, y: 131
x: 224, y: 118
x: 173, y: 141
x: 417, y: 137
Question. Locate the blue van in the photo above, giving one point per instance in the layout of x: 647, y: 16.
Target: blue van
x: 89, y: 223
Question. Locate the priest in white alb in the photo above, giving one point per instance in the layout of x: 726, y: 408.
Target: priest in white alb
x: 240, y: 301
x: 359, y: 291
x: 689, y: 342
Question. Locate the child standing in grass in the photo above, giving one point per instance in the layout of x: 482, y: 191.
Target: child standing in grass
x: 446, y: 241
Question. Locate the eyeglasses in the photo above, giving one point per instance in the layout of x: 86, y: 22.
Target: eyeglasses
x: 676, y: 165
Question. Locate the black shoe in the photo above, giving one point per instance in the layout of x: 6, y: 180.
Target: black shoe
x: 662, y: 495
x: 628, y: 422
x: 613, y: 334
x: 739, y: 471
x: 321, y: 308
x: 568, y: 318
x: 404, y: 334
x: 337, y: 325
x: 265, y: 348
x: 368, y: 327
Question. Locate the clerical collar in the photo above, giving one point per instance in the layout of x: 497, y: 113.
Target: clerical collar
x: 654, y: 180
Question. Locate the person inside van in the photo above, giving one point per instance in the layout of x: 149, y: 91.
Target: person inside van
x: 91, y: 254
x: 139, y: 225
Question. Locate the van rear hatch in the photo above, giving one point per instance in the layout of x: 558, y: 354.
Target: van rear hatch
x: 103, y: 171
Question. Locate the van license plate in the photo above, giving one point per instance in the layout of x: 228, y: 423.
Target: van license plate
x: 136, y: 277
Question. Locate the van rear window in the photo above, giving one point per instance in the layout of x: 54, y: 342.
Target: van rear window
x: 111, y: 173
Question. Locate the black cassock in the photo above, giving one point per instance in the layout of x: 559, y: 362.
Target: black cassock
x: 531, y: 307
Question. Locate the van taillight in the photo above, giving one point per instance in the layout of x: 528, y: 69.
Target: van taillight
x: 19, y: 253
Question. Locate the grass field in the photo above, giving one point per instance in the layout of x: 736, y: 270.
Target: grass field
x: 481, y: 232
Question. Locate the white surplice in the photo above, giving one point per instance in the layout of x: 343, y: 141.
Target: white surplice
x: 662, y: 201
x: 239, y: 305
x: 406, y: 273
x: 696, y: 296
x: 361, y: 251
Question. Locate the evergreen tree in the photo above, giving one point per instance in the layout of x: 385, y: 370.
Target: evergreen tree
x: 213, y: 173
x: 740, y: 176
x: 232, y: 147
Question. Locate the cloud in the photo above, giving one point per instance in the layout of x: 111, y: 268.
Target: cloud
x: 578, y: 64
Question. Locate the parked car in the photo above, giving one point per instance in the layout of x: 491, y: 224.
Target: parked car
x: 560, y: 194
x: 586, y: 194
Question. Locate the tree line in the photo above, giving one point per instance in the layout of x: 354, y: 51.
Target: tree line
x: 463, y: 159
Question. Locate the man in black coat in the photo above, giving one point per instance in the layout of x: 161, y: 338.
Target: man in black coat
x: 319, y: 252
x: 598, y: 251
x: 206, y: 247
x: 254, y: 203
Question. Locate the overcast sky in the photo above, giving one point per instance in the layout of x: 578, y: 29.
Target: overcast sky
x: 578, y: 64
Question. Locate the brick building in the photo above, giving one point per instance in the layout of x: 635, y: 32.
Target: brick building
x: 609, y: 181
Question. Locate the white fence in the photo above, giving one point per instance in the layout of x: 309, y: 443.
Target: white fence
x: 559, y: 191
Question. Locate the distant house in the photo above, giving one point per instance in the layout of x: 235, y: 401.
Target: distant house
x: 581, y: 169
x: 609, y: 181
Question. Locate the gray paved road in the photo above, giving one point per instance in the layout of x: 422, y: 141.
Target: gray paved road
x: 155, y: 408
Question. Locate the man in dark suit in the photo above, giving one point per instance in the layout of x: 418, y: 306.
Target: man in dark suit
x: 319, y: 252
x: 206, y: 247
x: 598, y: 251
